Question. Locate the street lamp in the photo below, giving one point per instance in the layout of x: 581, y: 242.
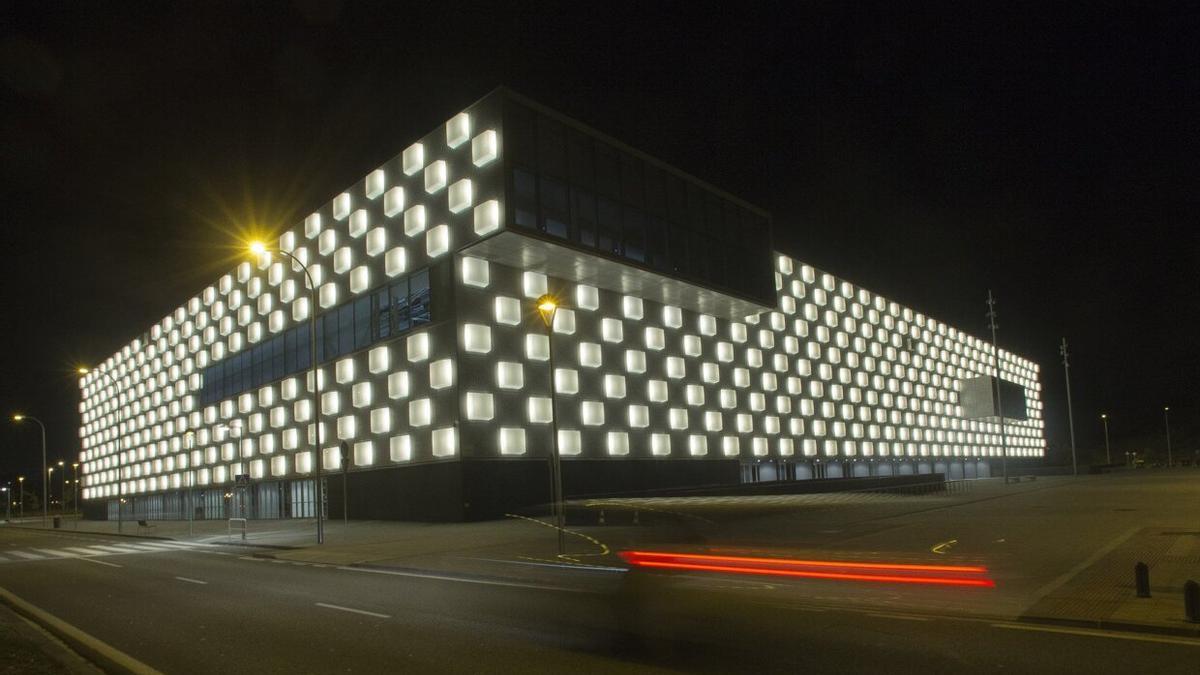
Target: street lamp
x: 21, y: 505
x: 547, y: 307
x: 75, y: 479
x: 120, y: 451
x: 50, y: 475
x: 1107, y: 450
x: 62, y: 494
x: 259, y: 249
x: 1167, y: 422
x: 45, y: 476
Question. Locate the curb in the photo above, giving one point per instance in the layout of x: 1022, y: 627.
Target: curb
x: 1128, y: 627
x: 106, y: 657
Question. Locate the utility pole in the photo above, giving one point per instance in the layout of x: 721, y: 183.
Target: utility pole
x: 1167, y: 422
x: 999, y: 407
x: 1107, y: 449
x: 1062, y: 349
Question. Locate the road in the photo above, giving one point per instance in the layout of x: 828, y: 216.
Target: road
x: 189, y: 608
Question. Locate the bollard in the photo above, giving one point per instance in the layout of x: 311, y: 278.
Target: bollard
x: 1191, y: 601
x: 1141, y: 576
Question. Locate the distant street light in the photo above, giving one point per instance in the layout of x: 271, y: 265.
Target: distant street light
x: 1167, y: 422
x: 120, y: 450
x: 45, y: 476
x: 547, y: 307
x: 21, y: 505
x: 260, y: 249
x: 1107, y: 450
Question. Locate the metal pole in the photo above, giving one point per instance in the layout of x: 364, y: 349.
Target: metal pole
x: 45, y: 473
x: 316, y: 395
x: 1107, y: 449
x: 62, y: 506
x: 991, y: 301
x: 1167, y: 422
x: 1062, y: 349
x: 345, y: 457
x: 21, y: 505
x: 556, y: 491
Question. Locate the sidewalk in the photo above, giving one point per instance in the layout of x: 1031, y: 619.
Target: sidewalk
x: 1104, y: 595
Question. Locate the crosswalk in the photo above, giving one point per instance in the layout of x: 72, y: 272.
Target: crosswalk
x: 97, y: 550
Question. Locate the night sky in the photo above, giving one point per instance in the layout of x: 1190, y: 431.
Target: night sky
x: 924, y: 154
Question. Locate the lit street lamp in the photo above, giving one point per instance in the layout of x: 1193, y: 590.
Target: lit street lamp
x: 45, y: 476
x: 1107, y: 450
x: 259, y: 249
x: 21, y: 504
x: 62, y: 494
x: 120, y: 450
x: 75, y: 479
x: 1167, y: 422
x: 547, y: 307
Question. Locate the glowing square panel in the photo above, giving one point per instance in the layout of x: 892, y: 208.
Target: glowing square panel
x: 484, y: 148
x: 436, y: 176
x: 458, y: 130
x: 512, y: 441
x: 414, y: 220
x: 395, y: 262
x: 487, y: 217
x: 460, y: 195
x: 341, y: 206
x: 393, y: 201
x: 413, y: 159
x: 437, y: 241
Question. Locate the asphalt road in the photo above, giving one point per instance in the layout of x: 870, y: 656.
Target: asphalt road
x: 184, y: 609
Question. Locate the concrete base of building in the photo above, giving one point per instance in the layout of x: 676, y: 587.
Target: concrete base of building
x: 483, y: 489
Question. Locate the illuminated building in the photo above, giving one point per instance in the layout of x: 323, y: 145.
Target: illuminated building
x: 686, y: 351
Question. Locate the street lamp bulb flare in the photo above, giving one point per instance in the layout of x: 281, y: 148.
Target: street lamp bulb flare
x: 258, y: 248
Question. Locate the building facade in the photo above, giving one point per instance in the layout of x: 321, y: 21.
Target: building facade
x: 685, y: 350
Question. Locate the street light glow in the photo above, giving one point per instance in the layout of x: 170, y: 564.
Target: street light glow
x: 18, y: 417
x: 258, y: 248
x: 82, y: 370
x: 546, y: 306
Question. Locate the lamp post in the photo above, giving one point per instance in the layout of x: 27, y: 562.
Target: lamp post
x: 1107, y: 450
x: 45, y: 476
x: 75, y: 479
x: 7, y: 502
x: 260, y: 249
x: 50, y: 477
x: 120, y: 451
x: 21, y: 504
x: 547, y: 307
x: 1167, y: 422
x: 991, y: 315
x: 1062, y: 349
x: 62, y: 493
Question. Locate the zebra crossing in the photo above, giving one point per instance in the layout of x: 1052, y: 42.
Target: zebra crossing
x: 97, y: 550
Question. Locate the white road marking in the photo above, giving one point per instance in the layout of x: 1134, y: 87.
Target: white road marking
x: 356, y: 611
x: 27, y: 556
x: 100, y: 550
x: 906, y: 617
x: 83, y: 551
x: 440, y: 577
x: 55, y: 553
x: 1100, y: 634
x: 193, y: 581
x: 99, y: 562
